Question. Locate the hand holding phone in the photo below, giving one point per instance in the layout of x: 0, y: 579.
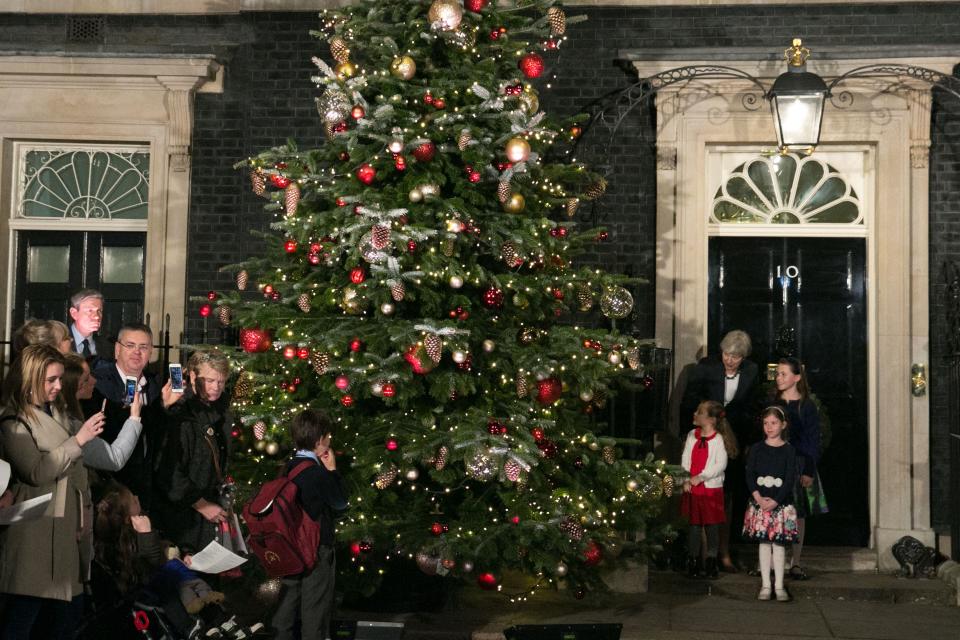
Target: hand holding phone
x: 176, y: 377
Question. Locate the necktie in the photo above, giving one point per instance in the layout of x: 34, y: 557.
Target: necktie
x: 85, y: 348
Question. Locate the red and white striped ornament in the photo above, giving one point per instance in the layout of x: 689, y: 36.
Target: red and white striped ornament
x: 259, y: 429
x: 434, y: 346
x: 291, y: 198
x: 380, y: 236
x: 303, y: 302
x: 512, y: 469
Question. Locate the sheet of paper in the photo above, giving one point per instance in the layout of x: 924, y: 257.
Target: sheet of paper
x: 27, y: 510
x: 215, y: 559
x: 4, y: 475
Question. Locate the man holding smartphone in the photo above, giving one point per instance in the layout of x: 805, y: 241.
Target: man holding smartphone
x: 115, y: 383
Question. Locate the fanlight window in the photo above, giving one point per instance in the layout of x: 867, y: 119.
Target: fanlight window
x: 90, y: 184
x: 786, y: 189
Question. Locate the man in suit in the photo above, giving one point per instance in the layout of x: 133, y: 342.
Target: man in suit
x: 86, y: 315
x: 132, y: 351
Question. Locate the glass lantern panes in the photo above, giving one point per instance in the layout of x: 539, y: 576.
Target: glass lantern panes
x: 84, y: 184
x: 786, y: 189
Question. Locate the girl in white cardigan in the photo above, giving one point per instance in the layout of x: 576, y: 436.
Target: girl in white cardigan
x: 708, y: 447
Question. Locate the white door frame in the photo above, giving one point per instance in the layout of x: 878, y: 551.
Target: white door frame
x: 893, y: 120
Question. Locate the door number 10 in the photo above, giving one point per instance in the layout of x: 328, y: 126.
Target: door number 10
x: 791, y: 271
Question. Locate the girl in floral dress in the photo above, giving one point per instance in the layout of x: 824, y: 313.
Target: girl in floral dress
x: 708, y: 447
x: 771, y: 518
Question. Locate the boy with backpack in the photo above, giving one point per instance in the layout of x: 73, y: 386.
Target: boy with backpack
x: 307, y: 597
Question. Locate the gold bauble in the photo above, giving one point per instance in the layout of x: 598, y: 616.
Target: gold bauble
x: 272, y: 448
x: 529, y: 100
x: 517, y: 149
x: 345, y: 70
x: 446, y: 14
x: 403, y: 67
x: 515, y: 204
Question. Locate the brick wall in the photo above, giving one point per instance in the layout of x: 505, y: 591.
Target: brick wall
x: 268, y: 98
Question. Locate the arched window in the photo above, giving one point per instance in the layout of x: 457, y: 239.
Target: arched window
x: 786, y: 189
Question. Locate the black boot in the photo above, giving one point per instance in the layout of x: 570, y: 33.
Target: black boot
x: 711, y: 569
x: 694, y: 568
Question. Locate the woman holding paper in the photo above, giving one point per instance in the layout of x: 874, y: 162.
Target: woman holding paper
x: 41, y: 560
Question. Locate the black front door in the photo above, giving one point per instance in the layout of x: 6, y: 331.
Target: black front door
x: 52, y: 265
x: 807, y: 297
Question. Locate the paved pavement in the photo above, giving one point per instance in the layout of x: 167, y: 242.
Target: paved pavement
x: 724, y: 614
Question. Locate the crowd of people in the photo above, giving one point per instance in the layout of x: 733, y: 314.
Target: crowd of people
x: 752, y: 458
x: 137, y: 474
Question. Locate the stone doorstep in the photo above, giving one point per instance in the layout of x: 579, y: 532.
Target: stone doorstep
x: 823, y: 559
x: 867, y: 586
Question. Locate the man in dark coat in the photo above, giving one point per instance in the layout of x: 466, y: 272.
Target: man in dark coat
x: 86, y: 316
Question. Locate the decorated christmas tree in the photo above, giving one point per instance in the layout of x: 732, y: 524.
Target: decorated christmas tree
x: 420, y: 287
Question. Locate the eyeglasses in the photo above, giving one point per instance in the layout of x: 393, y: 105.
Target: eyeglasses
x: 142, y: 348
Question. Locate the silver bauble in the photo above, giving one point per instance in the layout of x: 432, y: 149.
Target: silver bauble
x: 333, y: 106
x: 616, y: 302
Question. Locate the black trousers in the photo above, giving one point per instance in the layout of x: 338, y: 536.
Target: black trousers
x: 306, y: 601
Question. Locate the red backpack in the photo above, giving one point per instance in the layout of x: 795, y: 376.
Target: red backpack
x: 282, y: 535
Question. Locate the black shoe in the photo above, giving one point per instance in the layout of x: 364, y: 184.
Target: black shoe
x: 710, y: 569
x: 694, y: 568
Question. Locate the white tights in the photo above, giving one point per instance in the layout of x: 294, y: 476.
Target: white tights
x: 771, y: 556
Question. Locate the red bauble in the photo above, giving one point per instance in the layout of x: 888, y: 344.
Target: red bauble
x: 427, y: 98
x: 205, y: 310
x: 355, y: 548
x: 425, y: 152
x: 303, y: 353
x: 279, y: 181
x: 389, y: 390
x: 593, y: 554
x: 603, y: 235
x: 391, y: 445
x: 342, y: 383
x: 356, y: 345
x: 537, y: 434
x: 314, y: 259
x: 558, y: 294
x: 411, y: 246
x: 357, y: 112
x: 268, y: 289
x: 347, y: 401
x: 275, y: 295
x: 419, y: 361
x: 344, y: 156
x: 548, y: 390
x: 493, y: 298
x: 475, y: 5
x: 648, y: 381
x: 436, y: 529
x: 487, y: 581
x: 515, y: 519
x: 366, y: 174
x: 341, y: 202
x: 289, y: 352
x: 340, y: 127
x: 438, y: 103
x: 399, y: 162
x: 531, y: 65
x: 366, y: 546
x: 357, y: 275
x: 290, y: 245
x: 547, y: 447
x: 494, y: 34
x: 291, y: 388
x: 255, y: 340
x: 211, y: 295
x: 474, y: 176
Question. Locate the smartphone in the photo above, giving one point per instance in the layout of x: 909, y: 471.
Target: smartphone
x: 176, y: 377
x: 131, y: 390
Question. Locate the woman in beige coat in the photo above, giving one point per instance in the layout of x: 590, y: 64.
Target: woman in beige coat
x: 42, y: 561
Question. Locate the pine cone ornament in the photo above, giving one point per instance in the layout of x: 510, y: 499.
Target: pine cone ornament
x: 291, y: 198
x: 320, y: 362
x: 523, y: 387
x: 223, y: 313
x: 609, y: 454
x: 303, y: 302
x: 447, y: 246
x: 666, y: 485
x: 596, y: 189
x: 440, y: 461
x: 504, y: 191
x: 244, y: 386
x: 463, y: 140
x: 572, y: 528
x: 259, y: 429
x: 584, y: 298
x: 558, y: 21
x: 434, y: 346
x: 397, y: 290
x: 380, y: 237
x: 386, y: 477
x: 427, y: 563
x: 633, y: 358
x: 339, y: 49
x: 512, y: 469
x: 242, y: 278
x: 258, y: 182
x: 572, y: 205
x: 329, y: 130
x: 508, y: 251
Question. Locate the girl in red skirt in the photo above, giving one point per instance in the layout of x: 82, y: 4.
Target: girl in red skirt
x: 708, y: 447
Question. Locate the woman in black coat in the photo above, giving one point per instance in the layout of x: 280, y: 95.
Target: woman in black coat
x: 195, y: 457
x: 730, y: 379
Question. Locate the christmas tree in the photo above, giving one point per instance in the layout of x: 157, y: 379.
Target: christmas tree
x: 419, y: 287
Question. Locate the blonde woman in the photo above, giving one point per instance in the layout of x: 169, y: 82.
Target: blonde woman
x: 42, y: 561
